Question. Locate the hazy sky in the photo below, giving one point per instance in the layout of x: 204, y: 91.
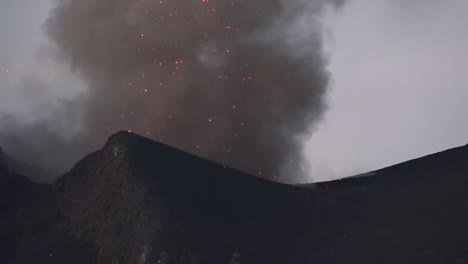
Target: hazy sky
x: 30, y: 81
x: 401, y: 85
x: 400, y: 80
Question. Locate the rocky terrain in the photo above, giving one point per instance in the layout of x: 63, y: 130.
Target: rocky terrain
x: 140, y: 201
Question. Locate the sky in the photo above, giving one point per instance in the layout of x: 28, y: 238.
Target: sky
x: 400, y: 85
x: 30, y: 80
x: 399, y: 80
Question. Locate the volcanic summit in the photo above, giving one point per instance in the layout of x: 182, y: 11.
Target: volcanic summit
x: 140, y: 201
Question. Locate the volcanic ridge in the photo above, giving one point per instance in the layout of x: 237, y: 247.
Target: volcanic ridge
x: 140, y: 201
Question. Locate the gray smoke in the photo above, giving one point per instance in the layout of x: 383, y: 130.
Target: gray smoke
x: 238, y: 82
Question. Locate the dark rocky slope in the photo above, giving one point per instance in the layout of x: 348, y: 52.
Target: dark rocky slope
x: 139, y: 201
x: 31, y: 224
x: 27, y: 210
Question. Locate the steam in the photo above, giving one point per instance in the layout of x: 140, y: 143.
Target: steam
x: 238, y: 82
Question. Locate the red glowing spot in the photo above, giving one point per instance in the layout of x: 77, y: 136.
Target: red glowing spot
x: 161, y: 2
x: 51, y: 255
x: 129, y: 131
x: 142, y: 35
x: 242, y: 124
x: 260, y: 173
x: 234, y: 107
x: 148, y: 133
x: 209, y: 119
x: 228, y: 50
x: 170, y: 117
x: 145, y: 90
x: 7, y: 71
x: 197, y: 147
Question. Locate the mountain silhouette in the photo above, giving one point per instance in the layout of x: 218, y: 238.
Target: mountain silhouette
x: 140, y: 201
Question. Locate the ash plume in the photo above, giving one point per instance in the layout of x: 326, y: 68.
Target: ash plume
x: 238, y: 82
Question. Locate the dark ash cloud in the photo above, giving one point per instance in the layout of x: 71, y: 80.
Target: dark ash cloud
x: 238, y: 82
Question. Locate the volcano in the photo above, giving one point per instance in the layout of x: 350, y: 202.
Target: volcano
x: 140, y: 201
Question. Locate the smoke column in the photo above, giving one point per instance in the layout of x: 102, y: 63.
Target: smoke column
x: 238, y: 82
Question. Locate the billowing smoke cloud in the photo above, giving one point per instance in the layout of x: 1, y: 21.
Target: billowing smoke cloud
x: 238, y: 82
